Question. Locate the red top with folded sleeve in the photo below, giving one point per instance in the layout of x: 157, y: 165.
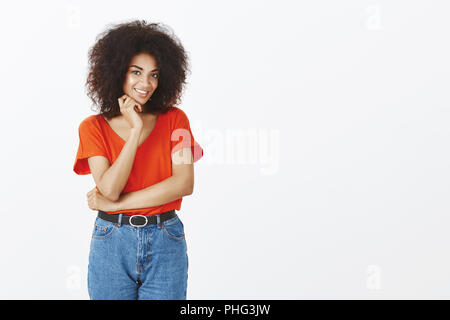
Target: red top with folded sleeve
x: 152, y: 162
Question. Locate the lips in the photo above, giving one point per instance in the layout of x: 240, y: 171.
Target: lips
x: 141, y: 93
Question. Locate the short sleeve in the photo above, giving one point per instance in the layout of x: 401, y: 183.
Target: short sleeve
x: 182, y: 137
x: 91, y: 143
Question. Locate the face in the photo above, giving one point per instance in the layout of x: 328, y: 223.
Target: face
x: 141, y: 79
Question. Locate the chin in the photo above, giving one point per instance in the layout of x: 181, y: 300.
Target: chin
x: 140, y: 99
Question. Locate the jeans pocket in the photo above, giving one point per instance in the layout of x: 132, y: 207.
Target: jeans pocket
x: 103, y: 229
x: 174, y: 228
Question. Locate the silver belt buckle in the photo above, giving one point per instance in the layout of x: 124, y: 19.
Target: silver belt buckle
x: 137, y: 225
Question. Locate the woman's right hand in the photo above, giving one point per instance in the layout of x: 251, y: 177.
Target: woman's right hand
x: 129, y: 109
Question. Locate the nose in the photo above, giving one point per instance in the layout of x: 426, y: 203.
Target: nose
x: 147, y: 84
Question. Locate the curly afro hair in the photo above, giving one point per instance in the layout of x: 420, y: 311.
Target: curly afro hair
x: 110, y: 55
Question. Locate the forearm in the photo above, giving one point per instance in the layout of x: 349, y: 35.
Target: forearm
x: 160, y: 193
x: 115, y: 178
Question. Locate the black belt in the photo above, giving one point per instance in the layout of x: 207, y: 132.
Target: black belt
x: 137, y: 220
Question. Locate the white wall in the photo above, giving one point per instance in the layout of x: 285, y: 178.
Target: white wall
x: 341, y: 193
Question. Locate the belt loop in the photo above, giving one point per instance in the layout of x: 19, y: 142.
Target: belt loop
x: 120, y: 219
x: 158, y: 218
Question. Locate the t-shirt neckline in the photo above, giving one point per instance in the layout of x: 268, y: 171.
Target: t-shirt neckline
x: 121, y: 139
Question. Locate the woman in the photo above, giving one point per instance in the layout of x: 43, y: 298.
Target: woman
x: 140, y: 151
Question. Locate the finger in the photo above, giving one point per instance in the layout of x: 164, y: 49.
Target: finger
x: 135, y: 106
x: 130, y: 103
x: 123, y: 100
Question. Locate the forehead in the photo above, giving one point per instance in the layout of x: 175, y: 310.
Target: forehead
x: 144, y: 60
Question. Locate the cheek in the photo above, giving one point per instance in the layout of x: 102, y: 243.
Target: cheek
x: 130, y: 78
x: 129, y: 83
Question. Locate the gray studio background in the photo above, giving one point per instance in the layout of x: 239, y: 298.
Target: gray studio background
x: 325, y: 128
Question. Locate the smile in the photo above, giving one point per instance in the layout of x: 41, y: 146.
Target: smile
x: 141, y: 92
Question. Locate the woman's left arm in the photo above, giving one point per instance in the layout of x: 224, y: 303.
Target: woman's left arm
x: 180, y: 184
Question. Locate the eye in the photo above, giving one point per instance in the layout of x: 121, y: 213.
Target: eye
x: 154, y: 74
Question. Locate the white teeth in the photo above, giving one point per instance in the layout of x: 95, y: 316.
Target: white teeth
x: 140, y: 91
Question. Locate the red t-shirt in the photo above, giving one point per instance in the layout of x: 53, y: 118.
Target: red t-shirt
x: 152, y: 162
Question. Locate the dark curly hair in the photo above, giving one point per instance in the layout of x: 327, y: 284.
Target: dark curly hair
x: 110, y: 55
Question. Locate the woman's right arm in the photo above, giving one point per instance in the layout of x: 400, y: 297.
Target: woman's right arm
x: 111, y: 179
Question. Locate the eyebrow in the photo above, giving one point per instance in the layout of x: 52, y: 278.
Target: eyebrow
x: 157, y: 69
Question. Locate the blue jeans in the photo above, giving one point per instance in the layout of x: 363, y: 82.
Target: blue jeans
x: 138, y: 263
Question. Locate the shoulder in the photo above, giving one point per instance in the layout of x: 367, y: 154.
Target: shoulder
x: 176, y: 114
x: 90, y: 123
x: 173, y: 111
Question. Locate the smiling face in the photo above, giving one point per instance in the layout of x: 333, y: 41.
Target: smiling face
x: 141, y: 79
